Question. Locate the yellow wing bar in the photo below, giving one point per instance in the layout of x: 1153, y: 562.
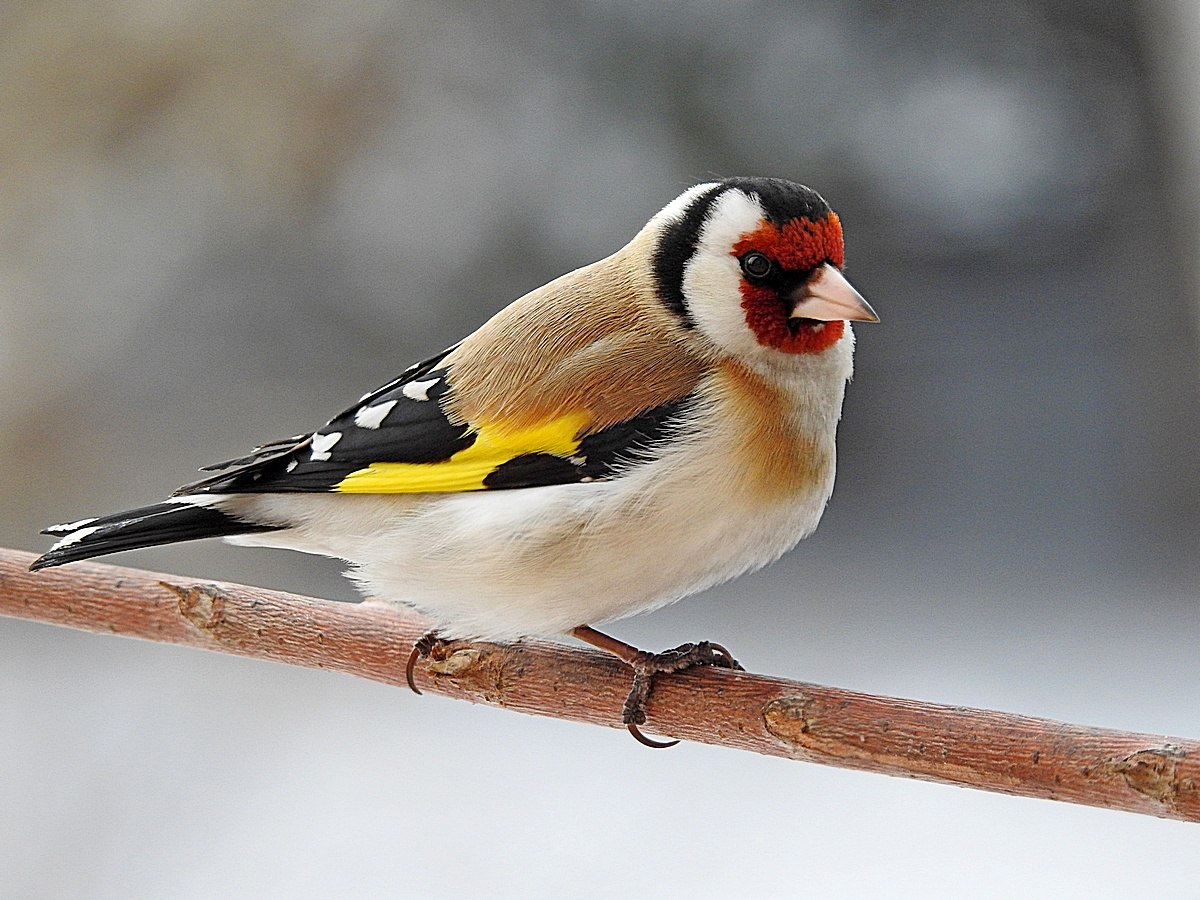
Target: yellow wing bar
x: 465, y: 470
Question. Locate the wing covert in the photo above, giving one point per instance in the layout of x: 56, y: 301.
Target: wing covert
x: 401, y: 439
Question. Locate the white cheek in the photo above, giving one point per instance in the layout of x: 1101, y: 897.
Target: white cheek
x: 713, y: 287
x: 712, y: 278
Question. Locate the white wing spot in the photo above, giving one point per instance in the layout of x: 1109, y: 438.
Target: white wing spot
x: 373, y: 416
x: 205, y: 500
x: 418, y: 390
x: 291, y: 467
x: 322, y: 444
x: 70, y: 526
x: 75, y: 537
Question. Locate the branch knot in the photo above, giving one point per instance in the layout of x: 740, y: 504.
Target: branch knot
x: 201, y: 605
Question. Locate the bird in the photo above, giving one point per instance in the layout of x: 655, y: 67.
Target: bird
x: 639, y: 429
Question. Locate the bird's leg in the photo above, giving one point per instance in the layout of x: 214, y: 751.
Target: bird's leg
x: 428, y: 644
x: 646, y: 665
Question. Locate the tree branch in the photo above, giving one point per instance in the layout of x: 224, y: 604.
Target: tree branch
x: 976, y: 748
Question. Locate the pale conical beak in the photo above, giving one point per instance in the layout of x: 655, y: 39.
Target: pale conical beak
x: 827, y: 296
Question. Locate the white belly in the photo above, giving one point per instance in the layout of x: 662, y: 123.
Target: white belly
x: 504, y: 564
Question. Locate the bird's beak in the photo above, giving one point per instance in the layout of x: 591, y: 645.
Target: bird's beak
x: 827, y: 296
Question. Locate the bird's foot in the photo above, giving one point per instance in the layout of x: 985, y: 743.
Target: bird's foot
x: 646, y: 665
x: 428, y: 645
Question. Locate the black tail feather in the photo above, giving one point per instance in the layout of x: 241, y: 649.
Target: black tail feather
x: 149, y: 526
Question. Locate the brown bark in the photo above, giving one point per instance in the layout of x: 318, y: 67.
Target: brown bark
x: 993, y: 751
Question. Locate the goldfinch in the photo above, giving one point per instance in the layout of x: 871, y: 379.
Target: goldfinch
x: 644, y: 427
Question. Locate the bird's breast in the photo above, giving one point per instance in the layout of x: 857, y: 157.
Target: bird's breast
x: 779, y: 439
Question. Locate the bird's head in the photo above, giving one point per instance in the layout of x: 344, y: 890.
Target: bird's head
x: 754, y: 264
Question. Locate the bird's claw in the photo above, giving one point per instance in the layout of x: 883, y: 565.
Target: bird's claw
x: 428, y: 644
x: 646, y: 665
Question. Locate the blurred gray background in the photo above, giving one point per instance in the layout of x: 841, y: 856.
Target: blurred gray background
x: 222, y: 222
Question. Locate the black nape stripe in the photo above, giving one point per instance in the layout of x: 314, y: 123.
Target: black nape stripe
x: 675, y: 248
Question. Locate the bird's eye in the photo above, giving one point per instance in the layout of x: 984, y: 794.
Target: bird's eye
x: 756, y: 265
